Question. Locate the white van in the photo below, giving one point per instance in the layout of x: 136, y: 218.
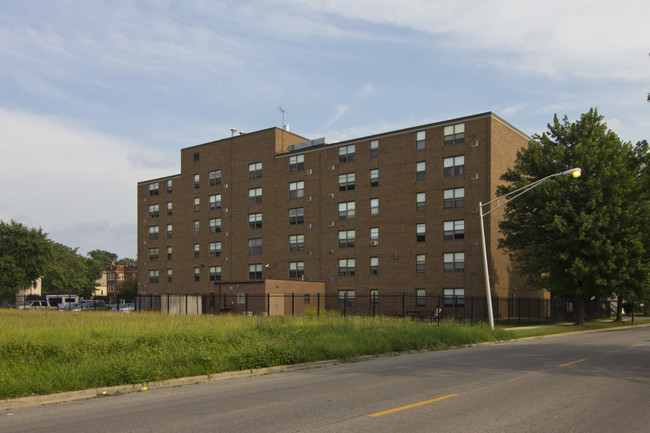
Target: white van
x: 60, y: 301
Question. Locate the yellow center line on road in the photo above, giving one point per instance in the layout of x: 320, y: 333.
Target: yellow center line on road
x: 637, y: 345
x: 422, y: 403
x: 570, y: 363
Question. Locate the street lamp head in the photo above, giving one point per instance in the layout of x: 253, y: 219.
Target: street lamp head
x: 575, y: 172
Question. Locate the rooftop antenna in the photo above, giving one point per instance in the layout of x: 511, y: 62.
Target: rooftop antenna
x: 282, y: 110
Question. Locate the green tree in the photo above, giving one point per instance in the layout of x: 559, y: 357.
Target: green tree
x: 126, y: 262
x: 128, y: 289
x: 24, y: 254
x: 68, y: 272
x: 579, y: 238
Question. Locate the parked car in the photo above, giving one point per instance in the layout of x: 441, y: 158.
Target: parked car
x: 71, y: 307
x: 34, y: 304
x: 96, y: 304
x: 127, y: 308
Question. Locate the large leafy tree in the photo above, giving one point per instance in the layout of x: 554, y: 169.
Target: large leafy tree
x: 584, y: 237
x: 68, y: 272
x: 24, y: 254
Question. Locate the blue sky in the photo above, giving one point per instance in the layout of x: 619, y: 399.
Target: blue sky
x: 96, y: 96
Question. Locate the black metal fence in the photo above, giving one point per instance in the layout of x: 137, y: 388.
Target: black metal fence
x: 432, y: 308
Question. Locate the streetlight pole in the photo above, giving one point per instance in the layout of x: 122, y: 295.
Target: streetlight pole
x: 574, y: 172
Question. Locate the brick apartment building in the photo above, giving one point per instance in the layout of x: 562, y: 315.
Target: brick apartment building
x: 393, y: 212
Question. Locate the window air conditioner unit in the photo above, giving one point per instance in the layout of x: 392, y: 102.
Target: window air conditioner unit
x: 225, y: 186
x: 374, y: 243
x: 473, y: 143
x: 475, y: 242
x: 308, y: 253
x: 308, y: 171
x: 330, y: 224
x: 474, y: 176
x: 330, y: 252
x: 308, y: 226
x: 309, y: 199
x: 330, y: 168
x: 330, y: 195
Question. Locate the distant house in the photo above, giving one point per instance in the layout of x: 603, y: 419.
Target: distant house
x: 34, y: 289
x: 100, y: 286
x: 116, y: 275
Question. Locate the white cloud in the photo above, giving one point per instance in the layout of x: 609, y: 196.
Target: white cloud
x: 60, y: 175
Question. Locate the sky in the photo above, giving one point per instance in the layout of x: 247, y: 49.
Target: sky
x: 96, y: 96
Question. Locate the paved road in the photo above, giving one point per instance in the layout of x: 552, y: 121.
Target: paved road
x: 593, y: 382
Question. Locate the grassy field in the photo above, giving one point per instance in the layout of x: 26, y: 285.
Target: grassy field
x: 43, y: 352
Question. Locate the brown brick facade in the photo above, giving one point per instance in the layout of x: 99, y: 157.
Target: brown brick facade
x: 305, y: 191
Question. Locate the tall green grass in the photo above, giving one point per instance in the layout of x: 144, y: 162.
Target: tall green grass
x: 43, y: 352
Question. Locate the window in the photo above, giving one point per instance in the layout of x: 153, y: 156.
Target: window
x: 215, y: 225
x: 374, y: 148
x: 453, y: 230
x: 346, y: 182
x: 346, y: 210
x: 255, y: 220
x: 420, y: 232
x: 454, y: 133
x: 346, y: 238
x: 169, y: 208
x: 197, y: 204
x: 454, y: 197
x: 374, y: 177
x: 420, y: 140
x: 453, y: 262
x: 255, y: 195
x: 297, y: 215
x: 153, y: 188
x: 255, y: 246
x: 170, y: 230
x: 296, y: 269
x: 169, y: 186
x: 296, y: 242
x: 297, y: 189
x: 347, y: 267
x: 346, y: 153
x: 197, y: 156
x: 420, y: 172
x: 153, y: 232
x: 169, y: 275
x: 420, y: 263
x: 255, y: 271
x: 255, y: 170
x: 420, y: 298
x: 374, y: 236
x: 196, y: 251
x: 453, y: 297
x: 215, y: 273
x: 196, y: 181
x: 154, y: 275
x: 153, y: 254
x: 197, y: 273
x: 215, y: 177
x: 169, y: 253
x: 153, y: 211
x: 196, y: 227
x: 374, y: 206
x: 420, y: 201
x: 307, y: 298
x: 374, y: 298
x: 346, y: 298
x: 374, y: 265
x: 215, y: 249
x: 453, y: 166
x: 297, y: 163
x: 215, y: 201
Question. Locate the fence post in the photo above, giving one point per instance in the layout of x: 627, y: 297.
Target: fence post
x: 293, y: 303
x: 268, y: 305
x: 246, y: 302
x: 345, y: 304
x: 318, y: 304
x: 471, y: 317
x: 403, y: 306
x: 497, y: 310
